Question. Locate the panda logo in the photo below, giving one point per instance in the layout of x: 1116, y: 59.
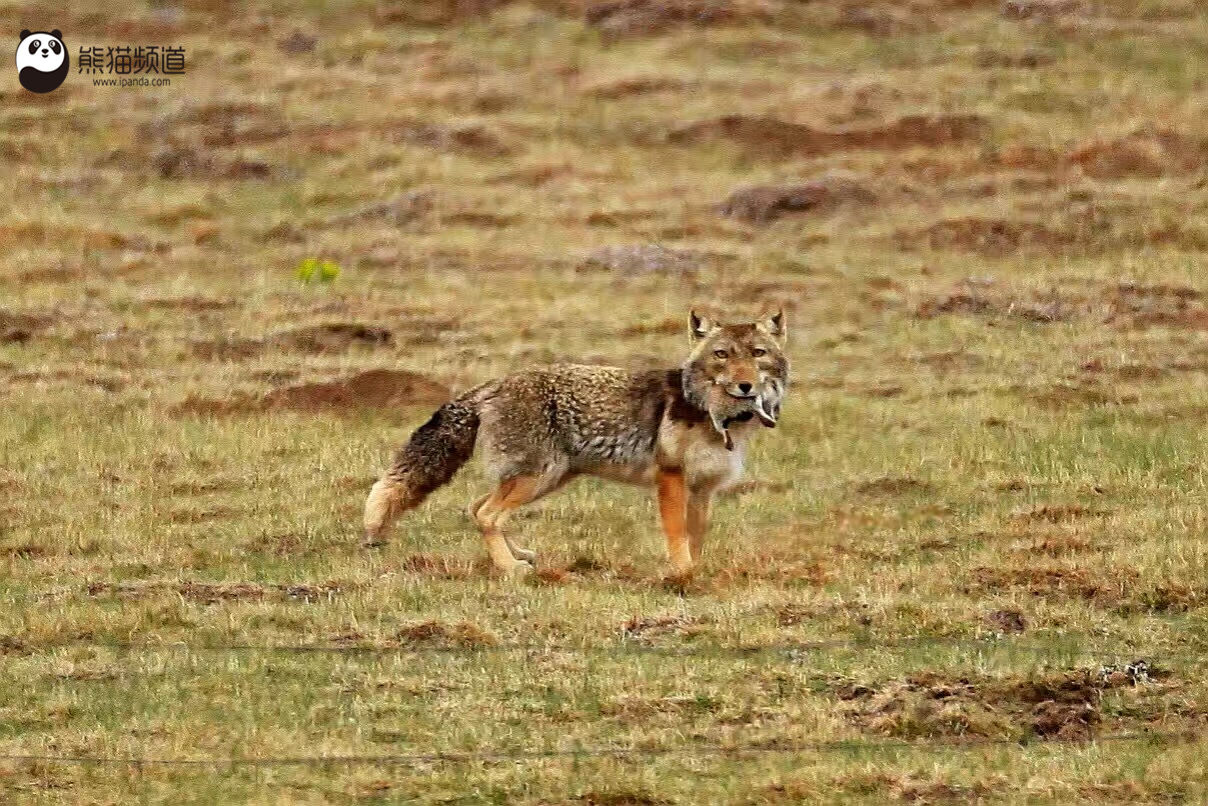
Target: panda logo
x: 42, y: 61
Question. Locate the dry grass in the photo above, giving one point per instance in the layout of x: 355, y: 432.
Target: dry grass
x: 985, y: 220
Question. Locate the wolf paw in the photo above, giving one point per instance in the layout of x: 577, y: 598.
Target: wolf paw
x: 373, y: 541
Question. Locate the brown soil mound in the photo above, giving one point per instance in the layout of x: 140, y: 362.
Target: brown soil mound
x: 1130, y: 156
x: 763, y: 203
x: 779, y: 139
x: 19, y: 327
x: 377, y: 388
x: 1147, y: 153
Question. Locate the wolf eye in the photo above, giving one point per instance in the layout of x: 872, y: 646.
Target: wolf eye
x: 720, y: 354
x: 33, y: 46
x: 759, y: 352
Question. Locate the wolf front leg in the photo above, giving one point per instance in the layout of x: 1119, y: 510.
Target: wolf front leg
x: 672, y: 496
x: 699, y: 505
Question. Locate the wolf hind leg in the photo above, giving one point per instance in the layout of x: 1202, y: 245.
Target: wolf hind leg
x: 492, y: 510
x: 526, y: 555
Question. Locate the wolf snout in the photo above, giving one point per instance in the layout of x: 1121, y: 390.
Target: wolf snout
x: 740, y: 390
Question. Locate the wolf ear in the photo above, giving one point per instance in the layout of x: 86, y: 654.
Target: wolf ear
x: 775, y: 325
x: 24, y: 33
x: 699, y: 326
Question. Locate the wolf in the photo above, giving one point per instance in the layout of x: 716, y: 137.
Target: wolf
x: 683, y: 431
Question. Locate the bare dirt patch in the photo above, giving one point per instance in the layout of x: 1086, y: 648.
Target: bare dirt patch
x: 760, y: 204
x: 1119, y: 589
x: 779, y: 139
x: 1055, y: 581
x: 1064, y: 706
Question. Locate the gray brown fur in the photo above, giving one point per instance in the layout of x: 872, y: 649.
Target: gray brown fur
x: 542, y: 427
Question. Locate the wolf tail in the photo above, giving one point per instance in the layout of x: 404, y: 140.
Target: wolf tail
x: 433, y: 455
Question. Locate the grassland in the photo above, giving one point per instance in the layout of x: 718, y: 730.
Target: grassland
x: 985, y: 219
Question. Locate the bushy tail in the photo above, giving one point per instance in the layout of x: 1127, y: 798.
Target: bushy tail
x: 435, y: 452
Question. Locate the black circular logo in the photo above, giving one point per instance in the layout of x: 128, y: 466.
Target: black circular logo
x: 42, y: 60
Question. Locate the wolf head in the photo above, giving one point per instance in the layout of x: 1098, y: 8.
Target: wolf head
x: 737, y: 365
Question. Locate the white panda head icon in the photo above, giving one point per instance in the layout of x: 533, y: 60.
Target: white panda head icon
x: 42, y: 60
